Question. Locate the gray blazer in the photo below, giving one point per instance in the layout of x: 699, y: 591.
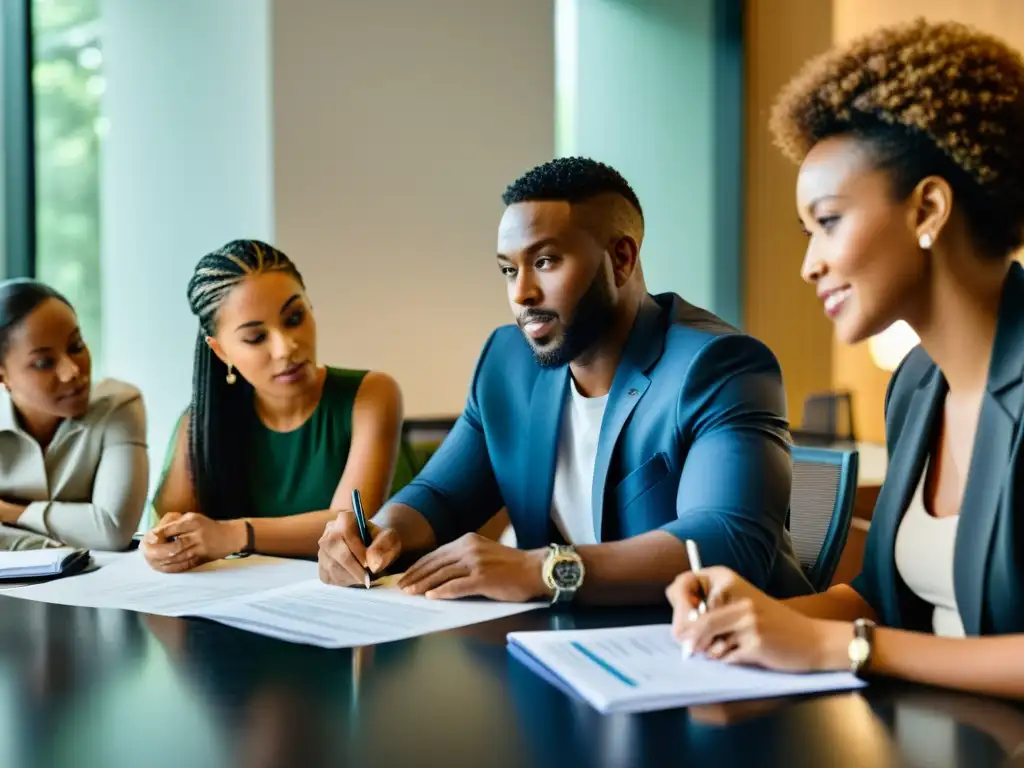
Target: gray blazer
x: 89, y: 488
x: 988, y: 564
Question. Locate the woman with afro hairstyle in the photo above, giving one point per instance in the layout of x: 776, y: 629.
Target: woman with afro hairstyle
x: 911, y: 189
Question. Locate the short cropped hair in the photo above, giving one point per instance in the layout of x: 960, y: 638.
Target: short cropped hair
x: 928, y: 99
x: 572, y: 179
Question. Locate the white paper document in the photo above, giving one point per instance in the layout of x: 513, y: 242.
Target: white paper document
x: 128, y: 582
x: 341, y: 617
x: 270, y: 596
x: 641, y: 669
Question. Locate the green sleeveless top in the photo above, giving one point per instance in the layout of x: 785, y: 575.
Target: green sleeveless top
x: 298, y: 471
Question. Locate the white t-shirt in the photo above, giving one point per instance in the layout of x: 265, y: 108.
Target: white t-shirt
x: 571, y: 499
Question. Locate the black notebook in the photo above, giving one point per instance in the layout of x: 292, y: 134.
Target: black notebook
x: 37, y: 564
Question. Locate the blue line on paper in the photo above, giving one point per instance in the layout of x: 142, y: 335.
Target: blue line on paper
x: 603, y: 664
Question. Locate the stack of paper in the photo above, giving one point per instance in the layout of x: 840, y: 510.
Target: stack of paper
x: 130, y: 583
x: 640, y: 669
x: 269, y: 596
x: 313, y: 613
x: 36, y: 563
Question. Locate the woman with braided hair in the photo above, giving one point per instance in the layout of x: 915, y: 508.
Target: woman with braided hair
x: 272, y: 444
x: 911, y: 189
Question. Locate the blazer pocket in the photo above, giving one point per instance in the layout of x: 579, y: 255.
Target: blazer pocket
x: 641, y: 479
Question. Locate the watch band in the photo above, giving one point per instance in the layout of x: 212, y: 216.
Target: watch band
x: 562, y: 596
x: 861, y: 646
x: 250, y: 542
x: 250, y: 538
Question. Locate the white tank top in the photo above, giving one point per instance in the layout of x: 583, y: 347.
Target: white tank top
x: 924, y: 559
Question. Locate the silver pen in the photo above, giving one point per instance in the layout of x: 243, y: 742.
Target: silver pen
x: 694, y: 555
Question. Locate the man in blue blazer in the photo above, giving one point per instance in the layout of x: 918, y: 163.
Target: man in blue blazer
x: 611, y: 424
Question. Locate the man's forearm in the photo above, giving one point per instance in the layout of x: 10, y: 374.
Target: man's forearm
x: 635, y: 570
x: 412, y: 528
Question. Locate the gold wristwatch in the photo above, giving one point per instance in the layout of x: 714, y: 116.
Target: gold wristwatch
x: 860, y: 647
x: 563, y: 572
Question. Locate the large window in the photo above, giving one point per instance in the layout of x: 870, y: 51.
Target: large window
x: 67, y: 82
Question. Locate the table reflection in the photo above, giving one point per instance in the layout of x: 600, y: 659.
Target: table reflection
x: 939, y: 728
x: 62, y: 650
x: 112, y: 688
x: 56, y: 659
x: 276, y: 704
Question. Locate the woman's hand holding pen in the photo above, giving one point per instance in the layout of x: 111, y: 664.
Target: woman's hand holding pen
x: 742, y: 625
x: 343, y: 558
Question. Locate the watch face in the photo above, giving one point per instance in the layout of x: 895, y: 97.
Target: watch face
x: 566, y: 574
x: 859, y: 650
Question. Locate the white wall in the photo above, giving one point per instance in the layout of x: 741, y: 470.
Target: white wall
x: 370, y: 141
x: 397, y: 125
x: 186, y: 166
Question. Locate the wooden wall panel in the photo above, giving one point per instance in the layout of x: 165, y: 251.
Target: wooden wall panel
x: 779, y: 308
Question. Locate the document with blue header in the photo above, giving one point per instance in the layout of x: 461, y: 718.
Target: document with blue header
x: 641, y: 669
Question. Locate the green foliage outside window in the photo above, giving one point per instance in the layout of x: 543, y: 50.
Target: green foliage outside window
x: 67, y: 78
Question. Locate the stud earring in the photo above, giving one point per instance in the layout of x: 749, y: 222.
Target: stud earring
x: 231, y: 378
x: 925, y: 241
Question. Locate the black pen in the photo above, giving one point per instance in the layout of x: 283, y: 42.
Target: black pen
x: 364, y: 529
x: 694, y: 555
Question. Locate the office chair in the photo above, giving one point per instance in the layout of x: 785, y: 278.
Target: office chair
x: 820, y: 509
x: 424, y: 436
x: 828, y: 418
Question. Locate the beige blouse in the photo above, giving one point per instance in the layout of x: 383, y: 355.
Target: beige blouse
x: 924, y: 559
x: 88, y: 488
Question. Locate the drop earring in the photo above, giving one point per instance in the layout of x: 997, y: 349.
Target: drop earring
x: 925, y: 241
x: 231, y: 378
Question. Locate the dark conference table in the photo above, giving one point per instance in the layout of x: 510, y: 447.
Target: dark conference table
x: 84, y: 687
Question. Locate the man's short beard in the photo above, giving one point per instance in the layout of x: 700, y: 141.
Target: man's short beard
x: 591, y: 321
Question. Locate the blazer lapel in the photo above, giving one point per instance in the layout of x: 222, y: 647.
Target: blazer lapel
x: 538, y: 459
x: 993, y: 442
x: 643, y: 348
x: 902, y: 476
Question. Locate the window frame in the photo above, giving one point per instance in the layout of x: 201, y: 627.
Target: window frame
x: 18, y: 146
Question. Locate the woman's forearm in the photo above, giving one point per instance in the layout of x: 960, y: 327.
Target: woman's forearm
x: 982, y: 665
x: 292, y: 536
x: 839, y: 603
x: 9, y: 512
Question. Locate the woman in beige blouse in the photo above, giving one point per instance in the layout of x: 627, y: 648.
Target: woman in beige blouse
x: 911, y: 189
x: 73, y: 463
